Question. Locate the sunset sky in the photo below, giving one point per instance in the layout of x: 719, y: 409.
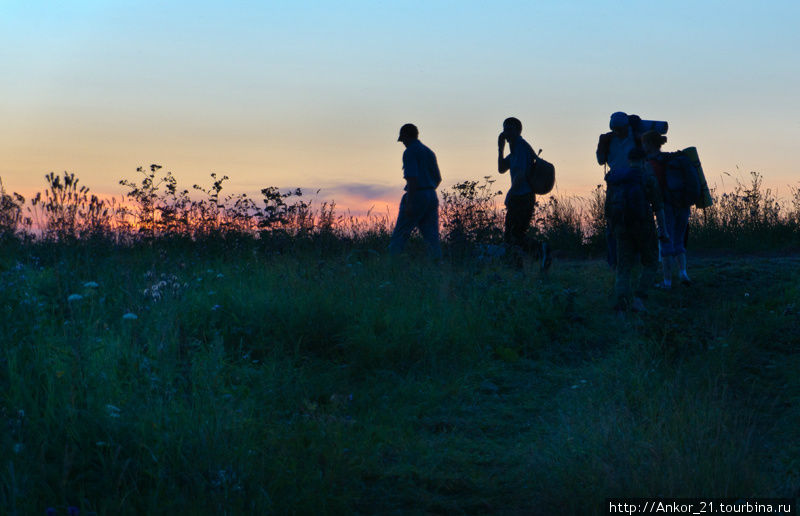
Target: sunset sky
x: 312, y: 94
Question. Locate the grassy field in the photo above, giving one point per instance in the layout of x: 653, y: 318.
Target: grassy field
x: 166, y: 380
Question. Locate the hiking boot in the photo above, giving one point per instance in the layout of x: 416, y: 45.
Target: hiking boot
x: 547, y: 258
x: 638, y: 306
x: 685, y: 281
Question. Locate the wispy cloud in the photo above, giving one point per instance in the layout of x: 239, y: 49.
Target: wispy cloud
x: 362, y: 191
x: 360, y: 198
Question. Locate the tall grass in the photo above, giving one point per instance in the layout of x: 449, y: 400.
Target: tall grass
x: 298, y: 383
x: 175, y: 357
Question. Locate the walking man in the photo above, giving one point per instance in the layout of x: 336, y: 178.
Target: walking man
x: 520, y: 199
x: 419, y: 206
x: 632, y: 198
x: 612, y: 149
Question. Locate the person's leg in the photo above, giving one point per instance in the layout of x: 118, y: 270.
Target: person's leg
x: 516, y: 223
x: 626, y: 253
x: 528, y: 243
x: 611, y: 244
x: 429, y: 222
x: 681, y: 228
x: 667, y: 248
x: 403, y: 227
x: 681, y: 259
x: 519, y: 210
x: 537, y: 248
x: 648, y: 253
x: 508, y: 227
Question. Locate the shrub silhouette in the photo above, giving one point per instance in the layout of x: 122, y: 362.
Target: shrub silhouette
x: 750, y: 217
x: 10, y: 212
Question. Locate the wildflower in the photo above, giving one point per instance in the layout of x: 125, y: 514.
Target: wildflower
x: 113, y: 410
x: 130, y: 316
x: 91, y: 284
x: 73, y: 511
x: 74, y: 297
x: 18, y: 447
x: 215, y: 308
x: 220, y: 275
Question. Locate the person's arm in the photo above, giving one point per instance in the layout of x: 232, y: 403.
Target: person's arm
x: 437, y: 174
x: 603, y: 144
x: 502, y: 163
x: 662, y: 229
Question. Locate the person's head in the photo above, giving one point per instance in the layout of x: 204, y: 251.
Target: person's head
x: 652, y: 141
x: 408, y: 134
x: 512, y: 128
x: 636, y: 157
x: 619, y: 124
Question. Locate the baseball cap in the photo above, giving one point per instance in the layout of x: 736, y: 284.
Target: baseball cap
x: 408, y: 131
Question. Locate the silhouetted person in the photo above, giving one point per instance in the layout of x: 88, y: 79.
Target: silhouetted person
x: 419, y: 206
x: 676, y: 211
x: 612, y: 150
x: 632, y: 197
x: 520, y: 199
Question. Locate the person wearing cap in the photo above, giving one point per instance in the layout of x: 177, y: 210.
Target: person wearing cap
x: 520, y: 199
x: 419, y: 206
x: 632, y: 224
x: 613, y: 147
x: 612, y: 151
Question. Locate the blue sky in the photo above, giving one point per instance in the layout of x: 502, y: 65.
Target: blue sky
x: 312, y: 94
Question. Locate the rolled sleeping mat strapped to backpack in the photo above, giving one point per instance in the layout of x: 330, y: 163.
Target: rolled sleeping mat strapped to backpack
x: 705, y: 199
x: 653, y: 125
x: 542, y: 177
x: 642, y: 126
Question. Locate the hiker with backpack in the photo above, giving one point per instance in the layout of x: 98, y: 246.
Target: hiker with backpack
x: 612, y: 150
x: 681, y: 188
x: 520, y: 199
x: 633, y: 196
x: 419, y: 206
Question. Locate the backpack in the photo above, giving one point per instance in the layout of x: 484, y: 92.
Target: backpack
x: 682, y: 179
x: 626, y: 202
x: 542, y: 176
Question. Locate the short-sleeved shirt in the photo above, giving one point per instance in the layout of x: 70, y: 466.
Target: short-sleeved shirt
x: 420, y: 162
x: 519, y: 163
x: 618, y: 151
